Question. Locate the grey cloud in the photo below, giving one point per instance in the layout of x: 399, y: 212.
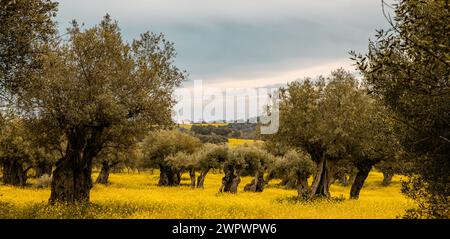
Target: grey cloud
x: 220, y: 39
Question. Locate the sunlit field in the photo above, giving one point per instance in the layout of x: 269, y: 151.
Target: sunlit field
x: 235, y: 142
x: 136, y: 195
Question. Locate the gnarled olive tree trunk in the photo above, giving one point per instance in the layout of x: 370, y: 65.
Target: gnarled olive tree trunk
x: 168, y: 176
x: 72, y: 180
x: 230, y: 181
x: 201, y: 177
x: 14, y: 172
x: 358, y: 183
x: 364, y: 167
x: 322, y: 178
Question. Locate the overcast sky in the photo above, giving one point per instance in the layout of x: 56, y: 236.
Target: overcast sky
x: 244, y: 42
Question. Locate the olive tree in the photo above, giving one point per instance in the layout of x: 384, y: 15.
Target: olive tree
x: 16, y: 152
x: 180, y: 163
x: 160, y: 150
x: 112, y: 157
x: 48, y: 146
x: 398, y: 165
x: 344, y: 172
x: 25, y: 25
x: 315, y: 117
x: 408, y: 67
x: 376, y: 142
x: 249, y: 160
x: 121, y: 147
x: 210, y: 156
x: 334, y: 119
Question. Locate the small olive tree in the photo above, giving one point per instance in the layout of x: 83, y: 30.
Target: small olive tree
x: 159, y: 146
x: 211, y: 156
x: 23, y: 147
x: 249, y: 160
x: 16, y: 155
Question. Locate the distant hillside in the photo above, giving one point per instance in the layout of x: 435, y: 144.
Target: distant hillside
x: 227, y: 130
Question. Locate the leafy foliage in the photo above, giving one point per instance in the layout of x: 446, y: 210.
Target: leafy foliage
x: 159, y: 145
x: 334, y: 119
x: 408, y: 67
x: 26, y: 25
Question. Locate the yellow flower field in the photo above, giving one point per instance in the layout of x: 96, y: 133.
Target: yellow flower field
x: 136, y: 195
x: 235, y: 142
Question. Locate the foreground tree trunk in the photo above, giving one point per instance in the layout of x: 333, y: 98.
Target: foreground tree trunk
x: 72, y: 180
x: 387, y: 179
x: 201, y: 177
x: 43, y: 167
x: 14, y: 173
x: 168, y: 176
x: 322, y: 178
x: 361, y: 176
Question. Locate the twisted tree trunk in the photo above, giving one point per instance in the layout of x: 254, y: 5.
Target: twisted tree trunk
x: 72, y: 180
x: 103, y: 176
x: 163, y: 176
x: 361, y: 176
x: 322, y: 178
x: 192, y: 176
x: 257, y: 184
x: 230, y: 181
x: 201, y: 177
x: 168, y: 176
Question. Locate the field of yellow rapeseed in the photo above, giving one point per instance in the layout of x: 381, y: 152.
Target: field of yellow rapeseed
x: 136, y: 195
x: 235, y: 142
